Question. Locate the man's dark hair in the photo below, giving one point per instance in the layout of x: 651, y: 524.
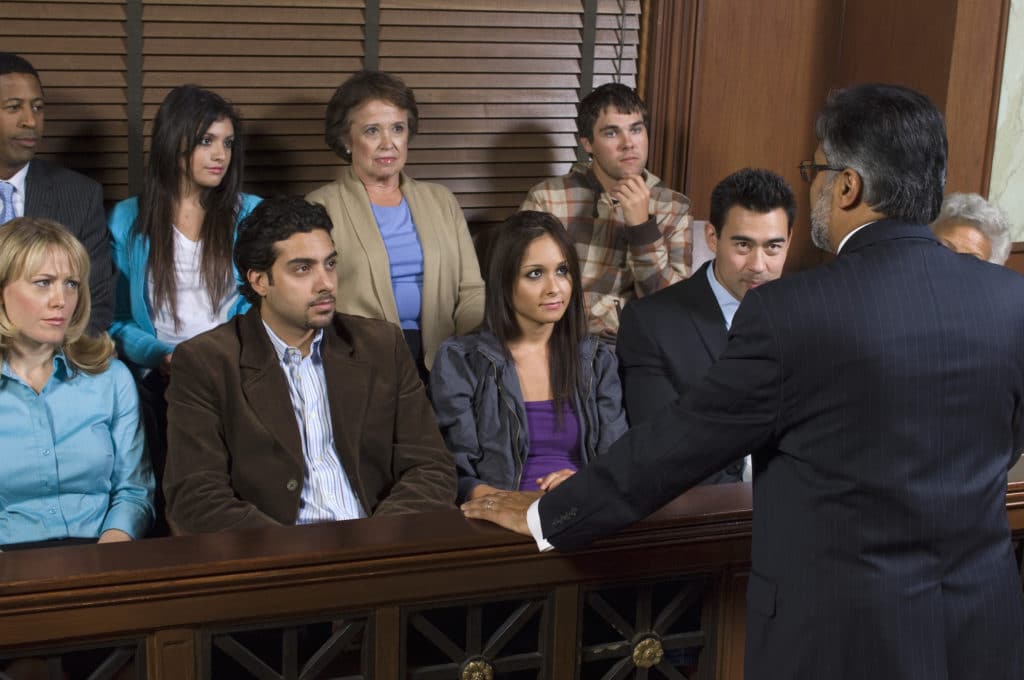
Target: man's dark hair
x: 754, y: 189
x: 895, y: 138
x: 12, y: 63
x: 622, y: 98
x: 273, y: 220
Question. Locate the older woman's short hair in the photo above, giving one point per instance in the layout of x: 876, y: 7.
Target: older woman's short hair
x: 363, y: 87
x: 989, y: 219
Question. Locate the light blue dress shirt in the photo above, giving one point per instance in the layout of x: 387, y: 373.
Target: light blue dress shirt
x: 327, y: 494
x: 726, y: 302
x: 72, y: 463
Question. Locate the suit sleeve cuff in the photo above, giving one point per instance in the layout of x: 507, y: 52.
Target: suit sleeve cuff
x: 533, y: 522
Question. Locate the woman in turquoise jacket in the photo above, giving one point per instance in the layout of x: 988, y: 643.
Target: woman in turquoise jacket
x: 172, y: 247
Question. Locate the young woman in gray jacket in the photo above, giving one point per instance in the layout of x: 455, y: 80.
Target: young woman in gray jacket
x: 530, y: 398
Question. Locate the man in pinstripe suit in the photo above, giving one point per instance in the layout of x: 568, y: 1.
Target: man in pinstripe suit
x: 38, y: 188
x: 883, y: 396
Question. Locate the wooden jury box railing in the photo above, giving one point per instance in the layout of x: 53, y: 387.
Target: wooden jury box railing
x: 426, y: 596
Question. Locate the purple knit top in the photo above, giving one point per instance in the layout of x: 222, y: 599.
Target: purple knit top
x: 551, y: 448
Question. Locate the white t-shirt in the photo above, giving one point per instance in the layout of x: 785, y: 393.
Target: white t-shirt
x: 194, y: 311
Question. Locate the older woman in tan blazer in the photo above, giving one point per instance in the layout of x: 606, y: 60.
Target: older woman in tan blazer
x: 404, y: 251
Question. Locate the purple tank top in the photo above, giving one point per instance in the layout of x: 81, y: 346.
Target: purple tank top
x: 552, y: 448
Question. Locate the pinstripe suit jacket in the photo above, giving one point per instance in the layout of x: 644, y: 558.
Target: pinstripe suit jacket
x: 883, y: 394
x: 69, y: 198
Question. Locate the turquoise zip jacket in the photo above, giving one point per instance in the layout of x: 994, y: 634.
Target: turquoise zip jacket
x: 132, y: 330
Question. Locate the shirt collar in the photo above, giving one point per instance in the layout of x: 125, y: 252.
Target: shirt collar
x: 281, y: 348
x: 62, y: 368
x: 17, y: 180
x: 726, y: 302
x: 847, y: 237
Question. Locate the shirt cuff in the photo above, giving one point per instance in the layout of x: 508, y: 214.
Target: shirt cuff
x: 533, y: 522
x: 129, y: 518
x: 643, y: 234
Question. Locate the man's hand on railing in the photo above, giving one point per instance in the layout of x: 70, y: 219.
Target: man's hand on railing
x: 507, y: 509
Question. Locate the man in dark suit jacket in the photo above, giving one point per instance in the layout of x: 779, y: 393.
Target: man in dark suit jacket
x: 48, y: 190
x: 883, y: 396
x: 668, y: 341
x: 292, y: 413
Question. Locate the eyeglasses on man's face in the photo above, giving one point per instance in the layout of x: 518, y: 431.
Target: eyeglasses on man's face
x: 809, y: 170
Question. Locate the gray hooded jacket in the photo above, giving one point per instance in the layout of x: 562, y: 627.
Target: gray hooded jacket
x: 480, y: 408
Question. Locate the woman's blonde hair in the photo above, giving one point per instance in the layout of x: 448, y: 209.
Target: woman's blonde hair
x: 24, y: 244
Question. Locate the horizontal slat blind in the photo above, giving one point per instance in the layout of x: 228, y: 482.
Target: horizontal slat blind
x: 497, y: 85
x: 277, y: 61
x: 78, y: 48
x: 618, y: 35
x: 497, y: 81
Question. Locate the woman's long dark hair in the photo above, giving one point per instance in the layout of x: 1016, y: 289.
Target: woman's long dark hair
x: 502, y: 271
x: 185, y: 115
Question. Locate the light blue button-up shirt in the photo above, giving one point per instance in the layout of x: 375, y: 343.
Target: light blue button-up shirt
x: 72, y: 463
x: 726, y: 302
x: 327, y: 493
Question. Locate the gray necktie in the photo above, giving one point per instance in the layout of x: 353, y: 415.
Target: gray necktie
x: 6, y: 202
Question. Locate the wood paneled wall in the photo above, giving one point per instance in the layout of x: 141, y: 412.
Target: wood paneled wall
x: 949, y: 49
x: 761, y: 71
x: 972, y: 97
x: 759, y: 78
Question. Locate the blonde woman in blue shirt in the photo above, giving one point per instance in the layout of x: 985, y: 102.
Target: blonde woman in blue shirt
x: 72, y: 466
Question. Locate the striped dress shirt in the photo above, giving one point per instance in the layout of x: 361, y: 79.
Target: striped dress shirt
x: 327, y: 495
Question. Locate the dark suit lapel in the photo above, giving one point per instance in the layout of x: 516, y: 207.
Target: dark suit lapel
x: 706, y: 314
x: 37, y: 188
x: 348, y: 391
x: 265, y: 386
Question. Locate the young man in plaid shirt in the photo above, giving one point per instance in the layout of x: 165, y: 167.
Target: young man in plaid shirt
x: 633, y: 235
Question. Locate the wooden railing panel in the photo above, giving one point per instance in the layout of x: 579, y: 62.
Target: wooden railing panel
x: 187, y: 597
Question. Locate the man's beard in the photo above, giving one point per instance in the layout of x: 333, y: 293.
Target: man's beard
x: 820, y: 217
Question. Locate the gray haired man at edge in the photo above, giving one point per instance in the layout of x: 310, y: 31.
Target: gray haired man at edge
x: 883, y: 397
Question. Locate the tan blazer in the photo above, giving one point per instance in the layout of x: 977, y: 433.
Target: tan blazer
x: 453, y: 292
x: 234, y: 454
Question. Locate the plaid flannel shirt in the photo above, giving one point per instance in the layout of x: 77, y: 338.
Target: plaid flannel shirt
x: 618, y: 263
